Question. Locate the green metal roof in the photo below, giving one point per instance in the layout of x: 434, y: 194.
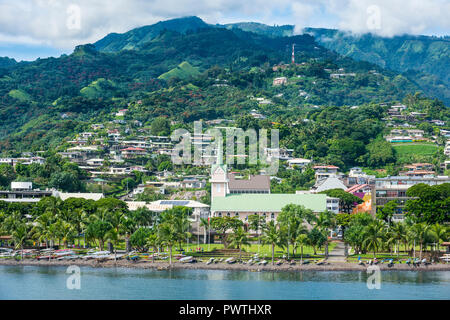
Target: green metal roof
x: 268, y: 202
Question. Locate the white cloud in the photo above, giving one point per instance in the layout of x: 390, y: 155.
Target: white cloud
x: 49, y: 22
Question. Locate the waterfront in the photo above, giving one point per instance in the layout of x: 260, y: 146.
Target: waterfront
x: 49, y: 282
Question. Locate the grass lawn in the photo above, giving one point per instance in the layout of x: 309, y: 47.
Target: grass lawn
x: 407, y: 152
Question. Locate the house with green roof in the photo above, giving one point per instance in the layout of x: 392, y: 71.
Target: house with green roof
x: 234, y: 197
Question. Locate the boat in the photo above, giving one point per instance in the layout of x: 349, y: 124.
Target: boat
x: 230, y: 260
x: 305, y: 262
x: 211, y: 260
x: 64, y: 252
x: 188, y: 259
x: 292, y: 263
x: 264, y: 262
x: 279, y: 263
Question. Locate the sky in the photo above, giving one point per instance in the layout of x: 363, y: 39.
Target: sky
x: 41, y: 28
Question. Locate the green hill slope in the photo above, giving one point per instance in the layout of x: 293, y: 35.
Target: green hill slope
x: 183, y: 71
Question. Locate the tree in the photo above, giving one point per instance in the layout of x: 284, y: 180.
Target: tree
x: 204, y: 223
x: 302, y: 240
x: 65, y: 181
x: 271, y: 236
x: 316, y: 238
x: 160, y: 126
x: 431, y: 204
x: 168, y: 235
x: 439, y: 232
x: 347, y: 200
x: 373, y: 236
x: 379, y: 153
x: 98, y: 230
x: 139, y: 239
x: 419, y: 232
x: 238, y: 239
x: 222, y: 224
x: 387, y: 211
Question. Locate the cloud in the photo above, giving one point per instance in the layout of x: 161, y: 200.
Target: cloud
x: 66, y: 23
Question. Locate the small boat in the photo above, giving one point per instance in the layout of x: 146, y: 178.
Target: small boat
x: 279, y: 263
x: 211, y: 260
x: 292, y: 263
x: 361, y: 263
x: 230, y: 260
x: 320, y: 262
x: 305, y: 262
x: 221, y: 260
x: 264, y: 262
x: 64, y: 252
x: 188, y: 259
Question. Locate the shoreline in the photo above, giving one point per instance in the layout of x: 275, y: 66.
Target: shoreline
x: 176, y: 265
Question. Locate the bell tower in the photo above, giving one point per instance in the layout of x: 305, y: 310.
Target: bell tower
x: 219, y: 178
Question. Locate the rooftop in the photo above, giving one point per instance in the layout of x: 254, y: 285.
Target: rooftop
x: 267, y: 202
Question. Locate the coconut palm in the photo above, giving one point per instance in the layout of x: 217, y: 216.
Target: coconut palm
x: 271, y: 235
x: 419, y: 232
x: 19, y: 235
x: 439, y: 233
x: 398, y: 234
x: 204, y: 223
x: 302, y: 240
x: 168, y: 235
x: 374, y: 235
x: 240, y: 238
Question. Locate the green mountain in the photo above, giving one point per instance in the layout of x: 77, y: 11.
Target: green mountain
x: 185, y: 71
x: 6, y: 62
x: 136, y: 38
x: 423, y: 59
x: 263, y: 29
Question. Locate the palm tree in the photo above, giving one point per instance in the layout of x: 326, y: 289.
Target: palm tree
x: 154, y: 242
x: 240, y: 238
x: 271, y: 236
x: 324, y: 222
x: 41, y: 228
x: 374, y: 235
x: 439, y: 233
x: 420, y: 231
x: 302, y: 239
x: 398, y: 234
x: 204, y: 223
x: 169, y: 236
x: 20, y: 235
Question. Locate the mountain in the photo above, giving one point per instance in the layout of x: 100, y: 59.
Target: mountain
x: 424, y: 59
x: 136, y: 38
x: 185, y: 71
x: 6, y: 62
x: 262, y: 29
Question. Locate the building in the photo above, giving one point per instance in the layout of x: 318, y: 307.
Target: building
x: 279, y: 81
x: 394, y: 188
x: 328, y: 184
x: 360, y: 190
x: 323, y: 172
x: 133, y: 152
x: 23, y: 192
x: 241, y: 198
x: 298, y: 163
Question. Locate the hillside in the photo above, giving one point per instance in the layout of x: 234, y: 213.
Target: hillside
x: 187, y: 73
x: 183, y: 71
x: 425, y: 60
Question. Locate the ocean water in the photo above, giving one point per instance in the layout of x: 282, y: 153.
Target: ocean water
x: 31, y: 282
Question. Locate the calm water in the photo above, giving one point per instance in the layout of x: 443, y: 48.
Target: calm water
x: 27, y: 282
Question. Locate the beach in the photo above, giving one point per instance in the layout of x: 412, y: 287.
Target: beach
x: 159, y: 265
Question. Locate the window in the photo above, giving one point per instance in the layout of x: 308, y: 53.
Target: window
x: 218, y: 187
x: 272, y: 216
x: 219, y: 214
x: 228, y: 214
